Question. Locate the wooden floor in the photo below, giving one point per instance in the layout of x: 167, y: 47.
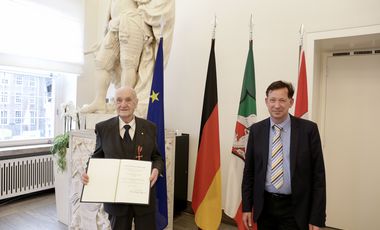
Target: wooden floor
x: 33, y: 213
x: 39, y: 213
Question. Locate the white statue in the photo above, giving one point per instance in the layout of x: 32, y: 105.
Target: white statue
x: 126, y: 55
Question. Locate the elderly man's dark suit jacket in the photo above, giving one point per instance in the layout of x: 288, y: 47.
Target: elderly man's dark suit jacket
x: 306, y: 169
x: 109, y: 144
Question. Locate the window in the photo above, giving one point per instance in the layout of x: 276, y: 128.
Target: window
x: 30, y: 112
x: 4, y: 97
x: 32, y: 82
x: 36, y: 30
x: 18, y: 117
x: 4, y: 81
x: 43, y: 39
x: 32, y: 117
x: 18, y: 98
x: 3, y: 117
x: 32, y: 101
x: 18, y: 80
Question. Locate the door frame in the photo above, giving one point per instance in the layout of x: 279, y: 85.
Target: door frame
x: 316, y: 55
x: 317, y: 52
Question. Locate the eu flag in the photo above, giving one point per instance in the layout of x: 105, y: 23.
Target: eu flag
x: 156, y: 115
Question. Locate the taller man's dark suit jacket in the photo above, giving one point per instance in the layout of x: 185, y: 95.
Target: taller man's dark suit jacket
x: 109, y: 144
x: 307, y: 171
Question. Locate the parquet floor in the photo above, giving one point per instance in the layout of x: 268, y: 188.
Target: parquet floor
x: 39, y: 213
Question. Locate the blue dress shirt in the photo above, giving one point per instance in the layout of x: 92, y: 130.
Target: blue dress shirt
x: 285, y: 138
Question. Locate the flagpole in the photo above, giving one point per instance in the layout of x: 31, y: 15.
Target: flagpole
x: 301, y: 104
x: 251, y: 28
x: 301, y: 31
x: 214, y: 27
x: 162, y: 24
x: 207, y: 192
x: 246, y: 116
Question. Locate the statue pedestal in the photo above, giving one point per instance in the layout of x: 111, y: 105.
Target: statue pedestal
x: 61, y: 185
x: 83, y: 215
x: 82, y: 143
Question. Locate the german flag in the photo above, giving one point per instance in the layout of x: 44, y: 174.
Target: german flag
x: 207, y: 195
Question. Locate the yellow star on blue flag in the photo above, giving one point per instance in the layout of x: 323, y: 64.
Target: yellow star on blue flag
x: 156, y: 115
x: 154, y: 96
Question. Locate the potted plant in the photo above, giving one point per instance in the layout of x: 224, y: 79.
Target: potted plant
x: 59, y: 149
x: 61, y: 141
x: 62, y: 174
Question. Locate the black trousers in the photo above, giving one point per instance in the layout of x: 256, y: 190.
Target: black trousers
x: 277, y: 213
x: 144, y: 222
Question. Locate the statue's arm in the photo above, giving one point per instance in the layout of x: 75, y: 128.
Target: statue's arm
x: 107, y: 17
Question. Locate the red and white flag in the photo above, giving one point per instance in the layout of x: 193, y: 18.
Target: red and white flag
x: 301, y: 107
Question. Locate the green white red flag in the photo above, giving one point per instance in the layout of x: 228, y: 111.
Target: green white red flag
x: 246, y: 117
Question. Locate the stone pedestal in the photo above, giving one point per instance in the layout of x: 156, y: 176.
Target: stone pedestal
x: 91, y: 119
x: 62, y: 191
x: 83, y: 215
x: 170, y: 166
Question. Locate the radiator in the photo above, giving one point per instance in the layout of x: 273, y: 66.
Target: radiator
x: 25, y: 175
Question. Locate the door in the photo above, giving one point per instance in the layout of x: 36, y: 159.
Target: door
x: 351, y: 143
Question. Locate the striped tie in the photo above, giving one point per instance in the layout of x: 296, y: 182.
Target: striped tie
x: 277, y: 175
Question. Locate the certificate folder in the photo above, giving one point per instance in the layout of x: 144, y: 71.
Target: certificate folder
x: 117, y: 181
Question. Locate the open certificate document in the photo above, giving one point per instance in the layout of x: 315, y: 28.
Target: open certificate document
x: 117, y: 181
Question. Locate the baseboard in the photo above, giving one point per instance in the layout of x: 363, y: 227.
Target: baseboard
x: 25, y: 196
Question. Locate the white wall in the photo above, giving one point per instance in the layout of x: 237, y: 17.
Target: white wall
x: 275, y: 52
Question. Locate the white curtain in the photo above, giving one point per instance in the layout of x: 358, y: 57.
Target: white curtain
x: 36, y: 35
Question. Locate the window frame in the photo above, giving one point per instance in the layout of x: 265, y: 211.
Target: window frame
x: 24, y: 104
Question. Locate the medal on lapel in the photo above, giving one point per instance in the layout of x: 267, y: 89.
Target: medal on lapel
x: 139, y: 155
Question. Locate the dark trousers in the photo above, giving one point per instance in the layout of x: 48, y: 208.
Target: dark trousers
x: 277, y: 213
x: 144, y: 222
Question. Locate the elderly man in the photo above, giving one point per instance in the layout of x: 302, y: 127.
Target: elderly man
x: 120, y: 137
